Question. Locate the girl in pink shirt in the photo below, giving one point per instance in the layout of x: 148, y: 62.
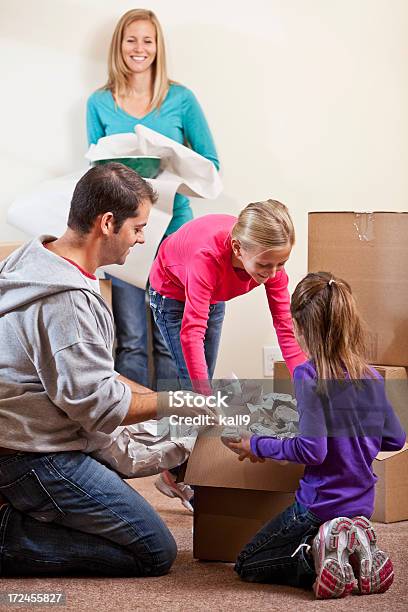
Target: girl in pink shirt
x: 213, y: 259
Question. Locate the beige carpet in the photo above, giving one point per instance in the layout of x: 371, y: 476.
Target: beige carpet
x: 194, y: 585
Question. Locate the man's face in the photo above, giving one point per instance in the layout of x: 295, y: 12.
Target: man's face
x: 131, y: 233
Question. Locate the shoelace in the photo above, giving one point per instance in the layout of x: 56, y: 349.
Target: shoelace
x: 308, y: 547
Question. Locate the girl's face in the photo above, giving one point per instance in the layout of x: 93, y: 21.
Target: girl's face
x: 259, y: 263
x: 139, y: 45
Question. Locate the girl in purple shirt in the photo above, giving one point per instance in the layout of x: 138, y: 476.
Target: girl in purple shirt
x: 345, y: 419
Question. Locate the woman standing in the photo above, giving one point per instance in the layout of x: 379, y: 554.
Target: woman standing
x: 139, y: 91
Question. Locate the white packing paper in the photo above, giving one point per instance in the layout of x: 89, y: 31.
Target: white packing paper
x: 44, y: 210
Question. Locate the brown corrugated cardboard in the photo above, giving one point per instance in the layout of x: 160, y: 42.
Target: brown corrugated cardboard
x: 369, y: 251
x: 226, y: 519
x: 234, y: 499
x: 391, y: 493
x: 282, y: 380
x: 396, y: 388
x: 6, y: 248
x: 212, y: 464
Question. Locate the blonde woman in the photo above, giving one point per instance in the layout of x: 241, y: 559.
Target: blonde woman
x: 214, y: 259
x: 139, y: 91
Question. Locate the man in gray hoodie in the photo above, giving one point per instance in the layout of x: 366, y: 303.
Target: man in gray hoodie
x: 60, y: 397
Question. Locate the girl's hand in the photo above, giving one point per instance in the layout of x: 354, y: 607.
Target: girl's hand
x: 243, y: 448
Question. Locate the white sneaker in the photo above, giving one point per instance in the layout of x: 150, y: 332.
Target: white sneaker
x: 166, y: 484
x: 372, y: 567
x: 331, y: 548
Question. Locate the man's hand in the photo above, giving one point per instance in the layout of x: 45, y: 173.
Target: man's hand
x: 146, y: 405
x: 243, y: 449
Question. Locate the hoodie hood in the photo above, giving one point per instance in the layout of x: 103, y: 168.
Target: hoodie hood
x: 32, y: 273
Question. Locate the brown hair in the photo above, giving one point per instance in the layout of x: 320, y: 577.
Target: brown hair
x: 118, y: 71
x: 267, y: 224
x: 109, y: 187
x: 326, y: 314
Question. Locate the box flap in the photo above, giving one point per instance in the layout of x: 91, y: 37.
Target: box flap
x: 387, y: 454
x: 212, y: 464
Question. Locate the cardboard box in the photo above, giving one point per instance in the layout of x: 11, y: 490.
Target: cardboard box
x: 370, y: 252
x: 396, y: 388
x: 233, y: 500
x: 282, y: 380
x: 6, y: 248
x: 391, y: 492
x: 225, y: 520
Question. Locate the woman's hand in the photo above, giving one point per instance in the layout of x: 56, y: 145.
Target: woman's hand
x: 243, y: 449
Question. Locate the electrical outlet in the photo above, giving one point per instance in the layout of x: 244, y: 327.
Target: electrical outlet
x: 270, y: 355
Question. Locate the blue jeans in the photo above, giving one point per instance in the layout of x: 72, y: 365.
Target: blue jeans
x: 131, y: 320
x: 267, y: 558
x: 69, y: 514
x: 168, y: 315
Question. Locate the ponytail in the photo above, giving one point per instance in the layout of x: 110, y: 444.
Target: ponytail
x: 326, y: 314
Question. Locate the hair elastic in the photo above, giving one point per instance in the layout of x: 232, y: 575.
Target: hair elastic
x: 331, y: 281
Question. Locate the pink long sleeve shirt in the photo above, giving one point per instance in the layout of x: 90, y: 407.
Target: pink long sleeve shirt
x: 194, y: 265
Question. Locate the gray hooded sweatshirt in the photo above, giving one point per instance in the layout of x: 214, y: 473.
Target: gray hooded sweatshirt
x: 58, y: 387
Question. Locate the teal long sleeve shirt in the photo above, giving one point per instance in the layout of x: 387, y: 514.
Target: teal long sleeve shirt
x: 180, y: 118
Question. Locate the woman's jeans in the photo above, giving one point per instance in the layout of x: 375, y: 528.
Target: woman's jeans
x: 168, y: 315
x: 70, y: 514
x: 268, y: 557
x: 131, y: 320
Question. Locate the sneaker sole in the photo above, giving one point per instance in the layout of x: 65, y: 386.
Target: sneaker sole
x: 378, y: 575
x: 167, y: 490
x: 336, y: 579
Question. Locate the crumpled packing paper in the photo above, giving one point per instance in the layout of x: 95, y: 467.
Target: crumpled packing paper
x: 271, y: 414
x: 147, y: 448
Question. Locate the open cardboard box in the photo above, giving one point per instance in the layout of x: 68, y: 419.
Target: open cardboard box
x: 233, y: 499
x: 6, y: 248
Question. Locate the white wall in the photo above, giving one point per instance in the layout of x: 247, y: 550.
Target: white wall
x: 307, y: 101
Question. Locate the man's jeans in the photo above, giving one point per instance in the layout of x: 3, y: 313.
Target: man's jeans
x: 130, y: 313
x: 168, y: 315
x: 268, y: 557
x: 69, y: 514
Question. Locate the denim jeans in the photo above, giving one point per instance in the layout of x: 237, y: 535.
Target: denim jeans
x: 168, y: 315
x: 131, y: 320
x: 69, y: 514
x: 268, y: 557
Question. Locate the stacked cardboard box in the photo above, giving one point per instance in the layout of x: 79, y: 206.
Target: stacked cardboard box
x: 370, y: 252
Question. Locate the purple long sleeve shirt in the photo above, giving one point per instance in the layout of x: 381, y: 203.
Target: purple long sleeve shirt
x: 339, y: 437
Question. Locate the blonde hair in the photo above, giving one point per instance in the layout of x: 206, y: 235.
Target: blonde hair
x: 326, y: 315
x: 266, y: 224
x: 118, y: 72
